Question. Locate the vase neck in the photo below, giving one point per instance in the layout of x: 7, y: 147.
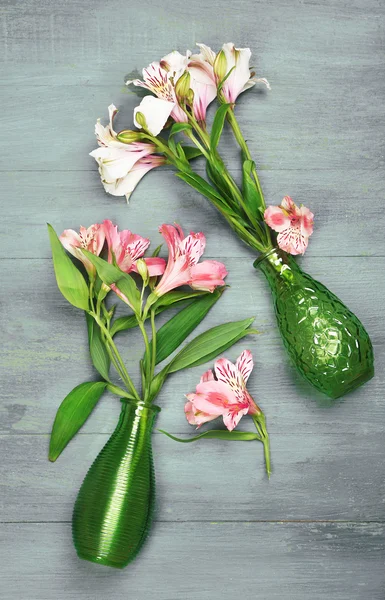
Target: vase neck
x: 278, y: 264
x: 137, y: 411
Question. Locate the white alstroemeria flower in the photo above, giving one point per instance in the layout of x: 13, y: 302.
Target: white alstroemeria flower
x: 240, y: 78
x: 126, y: 185
x: 161, y: 82
x: 117, y: 160
x: 155, y: 111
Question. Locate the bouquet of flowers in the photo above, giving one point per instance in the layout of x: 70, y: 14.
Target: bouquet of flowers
x: 114, y: 507
x: 326, y: 341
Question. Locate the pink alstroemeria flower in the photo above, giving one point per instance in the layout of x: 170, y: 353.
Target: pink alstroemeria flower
x: 223, y: 394
x: 182, y: 267
x: 121, y: 166
x: 293, y: 223
x: 91, y: 239
x: 125, y: 248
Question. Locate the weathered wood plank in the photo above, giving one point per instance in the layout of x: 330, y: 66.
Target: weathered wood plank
x: 316, y: 476
x: 209, y: 560
x: 346, y: 207
x: 44, y: 352
x: 286, y: 127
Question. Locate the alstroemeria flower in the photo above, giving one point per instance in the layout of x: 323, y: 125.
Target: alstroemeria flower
x: 91, y: 239
x: 293, y: 223
x: 121, y: 166
x: 238, y: 62
x: 161, y: 82
x: 182, y: 265
x: 223, y: 394
x: 161, y: 77
x: 125, y: 248
x: 126, y: 185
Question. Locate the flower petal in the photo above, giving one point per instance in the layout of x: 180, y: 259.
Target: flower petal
x: 232, y: 417
x: 207, y: 275
x: 276, y: 219
x: 155, y: 111
x: 228, y: 373
x: 245, y: 364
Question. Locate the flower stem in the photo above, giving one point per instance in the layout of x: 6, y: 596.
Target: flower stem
x: 153, y: 330
x: 148, y: 360
x: 260, y: 424
x: 110, y: 342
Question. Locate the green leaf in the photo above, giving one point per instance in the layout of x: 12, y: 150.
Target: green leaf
x: 157, y: 250
x: 110, y: 274
x: 177, y: 296
x: 219, y: 434
x: 208, y: 343
x: 69, y: 279
x: 223, y: 348
x: 72, y: 414
x: 123, y: 323
x: 251, y: 194
x: 178, y: 128
x: 176, y: 330
x: 204, y: 188
x: 191, y: 152
x: 99, y: 355
x: 217, y: 127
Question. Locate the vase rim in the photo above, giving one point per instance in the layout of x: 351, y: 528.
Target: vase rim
x: 265, y: 255
x: 141, y: 403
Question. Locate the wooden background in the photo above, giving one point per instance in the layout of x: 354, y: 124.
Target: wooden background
x: 222, y: 531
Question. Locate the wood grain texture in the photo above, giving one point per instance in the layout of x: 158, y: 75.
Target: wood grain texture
x: 201, y: 561
x: 316, y: 530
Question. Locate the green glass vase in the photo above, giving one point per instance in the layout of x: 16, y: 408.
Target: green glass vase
x: 326, y: 341
x: 113, y: 511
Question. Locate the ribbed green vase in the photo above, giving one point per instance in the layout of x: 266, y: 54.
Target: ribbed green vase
x: 326, y: 341
x: 114, y: 507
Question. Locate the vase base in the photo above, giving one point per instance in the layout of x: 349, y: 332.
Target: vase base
x: 353, y: 385
x: 101, y: 560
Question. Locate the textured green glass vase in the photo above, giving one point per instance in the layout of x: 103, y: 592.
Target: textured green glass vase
x: 326, y: 341
x: 113, y: 510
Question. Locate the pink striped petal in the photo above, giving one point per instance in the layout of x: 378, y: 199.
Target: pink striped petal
x: 245, y: 364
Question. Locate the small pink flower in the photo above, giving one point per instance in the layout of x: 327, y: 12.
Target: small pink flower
x: 294, y: 225
x: 127, y: 248
x: 91, y: 239
x: 182, y: 267
x: 224, y: 394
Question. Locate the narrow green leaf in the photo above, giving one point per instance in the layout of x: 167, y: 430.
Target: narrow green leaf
x: 223, y: 348
x: 204, y: 188
x: 191, y: 152
x: 250, y: 191
x: 208, y: 343
x: 219, y: 434
x: 157, y: 250
x: 72, y: 414
x: 99, y: 355
x: 177, y: 296
x: 110, y: 274
x: 123, y: 323
x: 69, y: 279
x: 178, y: 128
x: 176, y: 330
x: 217, y: 127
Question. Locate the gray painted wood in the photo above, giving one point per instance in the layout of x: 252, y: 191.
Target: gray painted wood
x: 201, y: 561
x: 316, y: 529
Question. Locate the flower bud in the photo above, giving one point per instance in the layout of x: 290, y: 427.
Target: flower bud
x: 143, y: 270
x: 141, y: 120
x: 128, y: 137
x: 220, y: 66
x: 182, y: 87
